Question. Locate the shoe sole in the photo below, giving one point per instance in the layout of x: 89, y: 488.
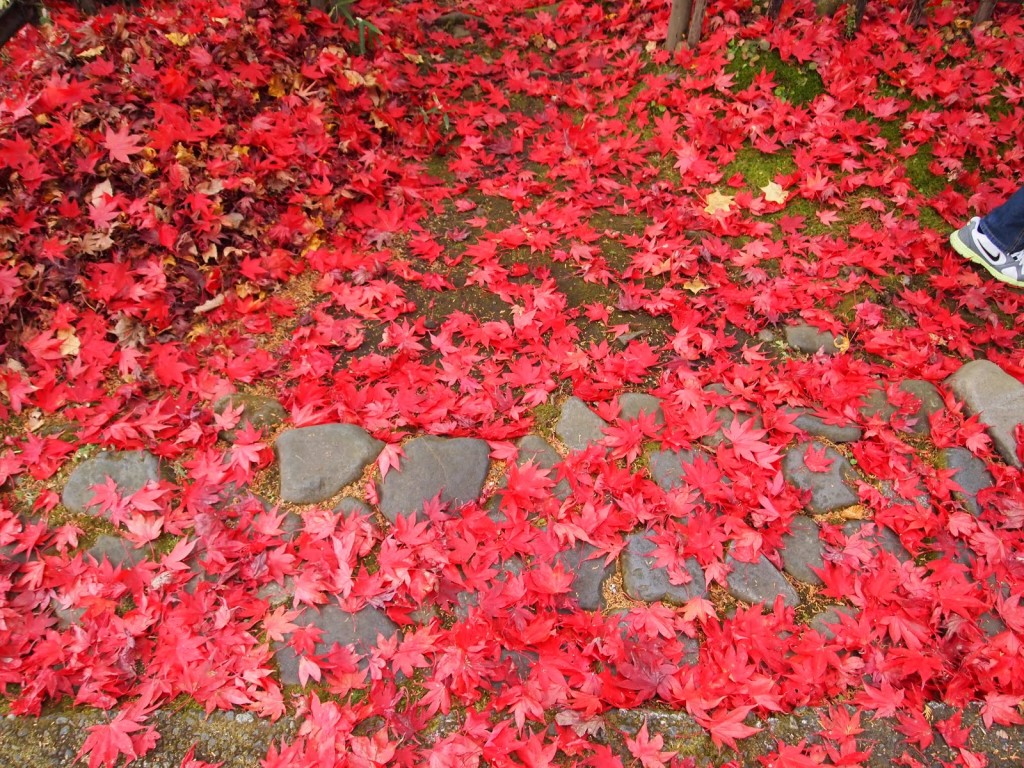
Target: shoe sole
x: 968, y: 253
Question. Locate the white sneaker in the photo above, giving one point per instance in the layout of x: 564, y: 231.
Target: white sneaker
x: 973, y: 244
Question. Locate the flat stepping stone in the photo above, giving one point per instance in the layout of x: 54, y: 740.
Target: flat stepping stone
x: 277, y: 594
x: 971, y: 474
x: 931, y: 402
x: 808, y: 339
x: 823, y: 622
x: 802, y: 550
x: 467, y: 599
x: 642, y: 580
x: 807, y: 420
x: 538, y: 450
x: 922, y: 497
x: 263, y: 413
x: 666, y: 467
x: 876, y: 404
x: 725, y: 415
x: 118, y: 552
x: 998, y: 400
x: 587, y: 586
x: 632, y: 404
x: 991, y: 624
x: 885, y: 538
x: 454, y: 467
x: 317, y: 462
x: 578, y: 426
x: 829, y: 490
x: 758, y: 582
x: 130, y: 470
x: 358, y: 629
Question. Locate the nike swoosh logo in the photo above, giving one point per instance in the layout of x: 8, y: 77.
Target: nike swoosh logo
x: 993, y: 258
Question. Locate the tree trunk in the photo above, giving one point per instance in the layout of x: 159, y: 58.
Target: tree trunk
x: 696, y: 23
x: 916, y: 17
x: 774, y: 8
x: 678, y: 21
x: 985, y: 9
x: 20, y: 13
x: 860, y: 7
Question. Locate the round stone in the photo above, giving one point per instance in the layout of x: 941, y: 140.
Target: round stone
x: 829, y: 490
x: 455, y: 468
x: 758, y: 582
x: 130, y: 470
x: 642, y: 580
x: 578, y: 426
x: 317, y: 462
x: 802, y: 550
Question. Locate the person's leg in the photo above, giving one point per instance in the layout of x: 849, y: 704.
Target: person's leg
x: 996, y: 242
x: 1004, y: 226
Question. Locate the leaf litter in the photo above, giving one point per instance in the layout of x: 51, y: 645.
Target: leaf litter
x: 227, y: 196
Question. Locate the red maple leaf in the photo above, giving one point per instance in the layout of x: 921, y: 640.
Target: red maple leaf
x: 727, y: 725
x: 816, y: 458
x: 121, y: 145
x: 107, y: 742
x: 647, y: 749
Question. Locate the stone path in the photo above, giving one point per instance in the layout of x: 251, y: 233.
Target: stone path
x: 316, y: 463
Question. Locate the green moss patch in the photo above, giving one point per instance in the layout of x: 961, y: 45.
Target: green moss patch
x: 795, y: 83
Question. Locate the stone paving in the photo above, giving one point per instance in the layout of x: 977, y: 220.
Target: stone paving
x: 316, y: 463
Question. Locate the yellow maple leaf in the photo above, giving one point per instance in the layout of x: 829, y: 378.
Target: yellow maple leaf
x: 178, y: 38
x: 695, y: 286
x: 774, y: 193
x: 718, y: 202
x: 69, y: 343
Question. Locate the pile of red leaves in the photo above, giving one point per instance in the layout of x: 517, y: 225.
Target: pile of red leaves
x: 168, y: 169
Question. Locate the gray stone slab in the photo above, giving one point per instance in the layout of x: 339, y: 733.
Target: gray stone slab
x: 590, y: 575
x: 931, y: 402
x: 808, y: 339
x: 350, y: 506
x: 725, y: 414
x: 8, y: 555
x: 632, y: 404
x: 921, y: 495
x: 454, y: 467
x: 884, y: 537
x: 642, y: 580
x: 278, y: 594
x: 538, y: 450
x: 116, y: 550
x: 357, y: 629
x: 802, y: 550
x: 830, y: 490
x: 998, y: 400
x: 467, y: 599
x: 758, y: 582
x: 263, y: 413
x: 971, y: 474
x: 578, y: 426
x: 666, y: 467
x: 823, y: 622
x: 991, y: 624
x: 876, y: 404
x: 813, y: 424
x: 317, y: 462
x: 129, y: 469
